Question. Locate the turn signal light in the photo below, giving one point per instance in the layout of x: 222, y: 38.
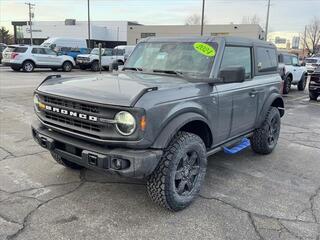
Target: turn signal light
x: 143, y: 123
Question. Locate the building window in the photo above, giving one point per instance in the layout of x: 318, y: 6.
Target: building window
x: 145, y: 35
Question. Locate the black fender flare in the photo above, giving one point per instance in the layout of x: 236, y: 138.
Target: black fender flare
x: 173, y: 126
x: 273, y: 97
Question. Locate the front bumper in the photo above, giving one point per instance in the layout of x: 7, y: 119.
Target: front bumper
x: 122, y: 161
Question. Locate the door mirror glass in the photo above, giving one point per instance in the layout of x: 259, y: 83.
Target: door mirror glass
x: 232, y: 74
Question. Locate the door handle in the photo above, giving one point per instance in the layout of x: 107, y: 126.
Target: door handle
x: 253, y: 93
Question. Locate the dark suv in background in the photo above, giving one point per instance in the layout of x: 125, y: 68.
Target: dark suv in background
x: 314, y: 84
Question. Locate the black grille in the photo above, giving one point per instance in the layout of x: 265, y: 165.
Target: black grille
x: 71, y: 104
x: 74, y: 122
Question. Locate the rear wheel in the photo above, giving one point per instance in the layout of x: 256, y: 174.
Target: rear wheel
x: 16, y: 69
x: 302, y: 83
x: 265, y: 138
x: 67, y: 66
x: 287, y: 85
x: 28, y: 66
x: 313, y: 96
x: 64, y: 162
x: 95, y: 66
x: 176, y: 181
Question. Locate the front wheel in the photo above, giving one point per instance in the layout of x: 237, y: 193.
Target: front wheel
x: 95, y: 66
x: 302, y: 83
x: 287, y: 85
x: 313, y: 96
x: 177, y: 179
x: 265, y: 138
x: 28, y: 66
x: 67, y: 66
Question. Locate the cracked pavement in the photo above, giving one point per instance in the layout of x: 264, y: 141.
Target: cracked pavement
x: 246, y: 196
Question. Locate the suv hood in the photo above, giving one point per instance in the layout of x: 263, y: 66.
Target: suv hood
x: 121, y: 89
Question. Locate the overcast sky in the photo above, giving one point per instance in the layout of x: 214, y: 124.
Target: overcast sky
x: 285, y: 15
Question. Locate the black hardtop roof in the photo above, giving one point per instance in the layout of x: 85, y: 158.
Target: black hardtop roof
x: 227, y: 39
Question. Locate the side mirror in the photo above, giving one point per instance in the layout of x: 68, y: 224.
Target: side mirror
x: 232, y: 74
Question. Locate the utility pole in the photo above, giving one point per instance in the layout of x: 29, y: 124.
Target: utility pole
x: 30, y: 5
x: 202, y: 17
x: 89, y: 40
x: 267, y: 22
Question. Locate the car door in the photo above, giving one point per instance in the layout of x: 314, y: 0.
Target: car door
x: 297, y: 69
x: 107, y: 57
x: 52, y: 58
x: 237, y: 101
x: 38, y: 55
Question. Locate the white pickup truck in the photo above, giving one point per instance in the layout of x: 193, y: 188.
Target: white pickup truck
x: 292, y: 72
x: 91, y: 60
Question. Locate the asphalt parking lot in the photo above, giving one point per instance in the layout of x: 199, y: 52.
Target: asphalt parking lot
x: 246, y: 196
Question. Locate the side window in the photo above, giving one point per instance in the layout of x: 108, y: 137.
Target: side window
x: 38, y: 51
x: 50, y: 52
x: 295, y: 61
x: 266, y: 60
x: 287, y: 60
x: 237, y: 56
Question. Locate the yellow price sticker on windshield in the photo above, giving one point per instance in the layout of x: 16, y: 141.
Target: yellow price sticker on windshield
x: 204, y: 49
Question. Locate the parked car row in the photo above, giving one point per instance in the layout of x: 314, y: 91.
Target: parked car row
x: 28, y: 58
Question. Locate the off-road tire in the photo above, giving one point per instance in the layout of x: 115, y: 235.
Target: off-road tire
x: 302, y: 83
x: 287, y: 85
x: 67, y: 66
x: 313, y: 96
x: 16, y: 69
x: 161, y: 184
x: 65, y: 162
x: 28, y: 66
x: 260, y: 140
x: 95, y: 66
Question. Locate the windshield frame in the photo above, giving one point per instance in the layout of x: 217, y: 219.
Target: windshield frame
x: 189, y: 75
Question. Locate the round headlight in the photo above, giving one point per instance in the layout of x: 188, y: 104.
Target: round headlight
x: 125, y: 123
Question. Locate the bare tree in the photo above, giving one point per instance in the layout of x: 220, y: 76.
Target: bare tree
x: 194, y: 19
x: 312, y: 37
x: 251, y: 20
x: 5, y: 36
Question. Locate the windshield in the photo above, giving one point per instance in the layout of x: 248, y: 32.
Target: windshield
x: 194, y: 59
x: 311, y: 60
x: 95, y: 51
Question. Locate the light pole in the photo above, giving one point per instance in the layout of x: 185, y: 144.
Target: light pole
x: 267, y: 22
x: 30, y: 19
x: 89, y: 24
x: 202, y: 17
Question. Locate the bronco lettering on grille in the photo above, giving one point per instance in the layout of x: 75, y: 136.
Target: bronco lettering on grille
x: 72, y: 113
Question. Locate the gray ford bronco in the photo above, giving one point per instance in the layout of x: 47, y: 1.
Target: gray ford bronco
x: 176, y: 102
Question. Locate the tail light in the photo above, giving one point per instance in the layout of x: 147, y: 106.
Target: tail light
x: 13, y: 55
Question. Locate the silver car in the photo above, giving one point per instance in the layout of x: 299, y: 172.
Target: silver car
x: 28, y: 58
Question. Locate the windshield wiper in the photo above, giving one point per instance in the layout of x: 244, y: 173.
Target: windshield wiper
x: 133, y: 68
x: 180, y: 74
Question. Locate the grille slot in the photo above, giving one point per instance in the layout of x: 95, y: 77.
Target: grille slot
x: 71, y: 104
x: 74, y: 122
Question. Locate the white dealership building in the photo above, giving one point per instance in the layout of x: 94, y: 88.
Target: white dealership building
x: 113, y: 33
